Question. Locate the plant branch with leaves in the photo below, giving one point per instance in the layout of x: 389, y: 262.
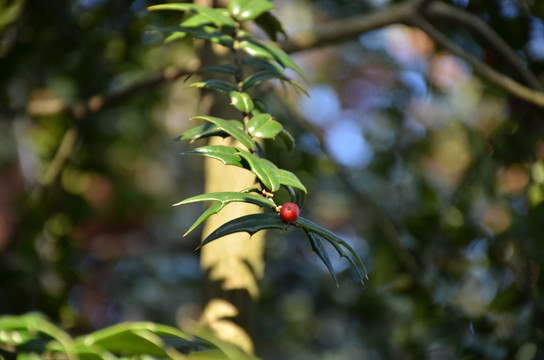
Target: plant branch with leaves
x: 255, y: 61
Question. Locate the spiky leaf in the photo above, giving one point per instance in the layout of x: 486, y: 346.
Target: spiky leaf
x: 226, y: 154
x: 319, y: 249
x: 248, y: 223
x: 244, y: 10
x: 261, y: 168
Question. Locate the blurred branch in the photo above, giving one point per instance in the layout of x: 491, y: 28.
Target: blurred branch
x: 487, y: 72
x: 81, y: 109
x: 487, y: 36
x: 414, y: 13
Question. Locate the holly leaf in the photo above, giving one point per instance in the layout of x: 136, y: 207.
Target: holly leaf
x: 223, y: 199
x: 261, y: 168
x: 233, y: 128
x: 226, y: 154
x: 288, y: 139
x: 248, y: 223
x: 217, y: 16
x: 319, y: 249
x: 340, y: 245
x: 259, y: 77
x: 263, y: 126
x: 219, y: 85
x: 202, y: 131
x: 244, y: 10
x: 241, y: 101
x: 271, y: 25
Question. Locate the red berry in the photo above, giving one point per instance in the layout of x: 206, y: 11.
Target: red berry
x: 289, y: 212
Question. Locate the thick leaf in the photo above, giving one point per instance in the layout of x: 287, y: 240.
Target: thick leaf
x: 241, y: 101
x: 244, y: 10
x: 259, y: 77
x: 337, y: 243
x: 263, y: 126
x: 232, y: 127
x: 261, y: 168
x: 226, y: 154
x: 202, y: 131
x: 223, y: 199
x: 248, y: 223
x: 319, y: 249
x: 219, y: 85
x: 216, y: 16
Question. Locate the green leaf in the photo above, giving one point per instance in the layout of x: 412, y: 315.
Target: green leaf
x: 135, y: 338
x: 319, y: 249
x: 219, y: 85
x: 241, y: 101
x: 261, y: 168
x: 256, y: 47
x: 288, y: 139
x: 263, y: 126
x: 263, y: 64
x: 202, y: 32
x: 248, y: 223
x: 231, y: 127
x: 202, y: 131
x: 259, y: 77
x: 271, y: 25
x: 217, y: 16
x: 224, y: 69
x: 337, y: 243
x: 287, y: 178
x: 244, y: 10
x: 195, y: 21
x: 226, y: 154
x: 223, y: 199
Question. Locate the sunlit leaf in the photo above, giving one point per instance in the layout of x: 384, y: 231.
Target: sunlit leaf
x: 256, y: 47
x: 202, y: 32
x: 263, y: 126
x: 217, y: 16
x: 232, y: 127
x: 244, y: 10
x: 261, y: 168
x: 202, y: 131
x: 226, y: 154
x: 222, y: 199
x: 241, y: 101
x: 289, y: 179
x: 248, y: 223
x: 219, y: 85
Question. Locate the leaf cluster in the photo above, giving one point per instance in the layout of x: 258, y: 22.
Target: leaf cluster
x: 224, y: 26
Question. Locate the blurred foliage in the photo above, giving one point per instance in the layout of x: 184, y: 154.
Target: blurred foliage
x: 432, y: 175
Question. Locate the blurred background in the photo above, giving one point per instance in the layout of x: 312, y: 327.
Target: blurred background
x: 433, y: 175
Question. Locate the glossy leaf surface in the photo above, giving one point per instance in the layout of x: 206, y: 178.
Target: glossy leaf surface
x: 231, y: 127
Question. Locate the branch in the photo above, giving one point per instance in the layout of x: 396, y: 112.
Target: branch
x: 487, y: 72
x: 340, y: 30
x: 81, y: 109
x: 486, y: 35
